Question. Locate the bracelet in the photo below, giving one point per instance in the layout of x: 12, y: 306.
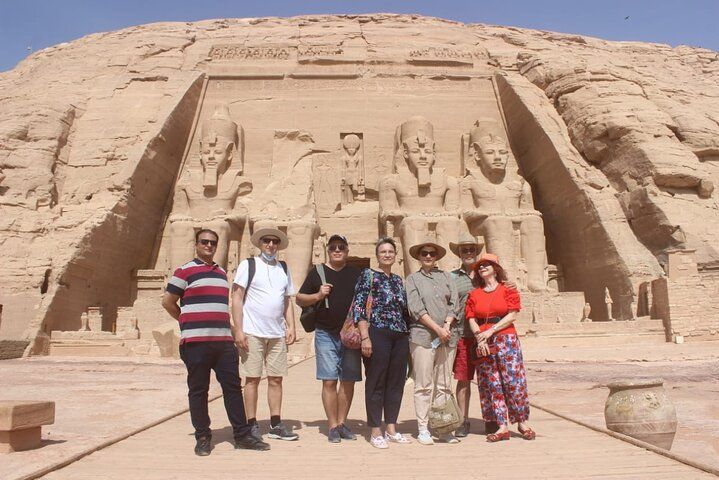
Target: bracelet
x: 363, y: 339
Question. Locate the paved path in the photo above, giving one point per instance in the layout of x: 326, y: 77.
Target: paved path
x: 563, y: 450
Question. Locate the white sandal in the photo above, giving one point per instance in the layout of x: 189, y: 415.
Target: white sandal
x: 378, y: 442
x: 396, y: 438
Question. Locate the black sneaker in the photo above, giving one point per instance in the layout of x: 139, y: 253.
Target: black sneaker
x: 250, y: 442
x: 281, y: 432
x: 334, y: 435
x: 345, y: 432
x: 203, y: 447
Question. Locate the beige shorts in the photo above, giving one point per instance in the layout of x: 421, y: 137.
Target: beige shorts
x: 268, y: 352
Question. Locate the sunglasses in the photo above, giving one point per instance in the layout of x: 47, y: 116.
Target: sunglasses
x: 485, y: 264
x: 207, y: 241
x: 467, y: 250
x: 428, y: 253
x: 273, y: 241
x: 337, y: 248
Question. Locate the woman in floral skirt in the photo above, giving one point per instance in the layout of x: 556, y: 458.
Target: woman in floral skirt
x: 491, y: 311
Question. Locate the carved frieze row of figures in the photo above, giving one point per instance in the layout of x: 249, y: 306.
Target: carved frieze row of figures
x: 414, y: 201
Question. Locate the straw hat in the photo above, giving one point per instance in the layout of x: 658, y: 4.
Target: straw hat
x: 465, y: 239
x: 256, y: 237
x: 414, y: 250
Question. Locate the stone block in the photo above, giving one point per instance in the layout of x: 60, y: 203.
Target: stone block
x: 167, y: 337
x: 21, y: 422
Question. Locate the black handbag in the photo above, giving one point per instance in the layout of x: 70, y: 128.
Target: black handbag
x: 308, y: 317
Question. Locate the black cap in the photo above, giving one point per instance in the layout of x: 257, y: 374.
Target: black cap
x: 338, y: 238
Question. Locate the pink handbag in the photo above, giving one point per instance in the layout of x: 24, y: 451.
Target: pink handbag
x: 350, y: 334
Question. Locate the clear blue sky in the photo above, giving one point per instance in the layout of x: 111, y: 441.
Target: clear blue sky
x: 31, y: 25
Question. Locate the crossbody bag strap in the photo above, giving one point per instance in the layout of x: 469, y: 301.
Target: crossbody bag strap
x: 321, y: 272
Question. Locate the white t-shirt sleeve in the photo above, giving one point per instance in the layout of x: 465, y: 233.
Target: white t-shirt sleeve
x: 290, y: 290
x: 242, y: 274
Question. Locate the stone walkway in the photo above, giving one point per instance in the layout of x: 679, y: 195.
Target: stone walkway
x: 562, y: 450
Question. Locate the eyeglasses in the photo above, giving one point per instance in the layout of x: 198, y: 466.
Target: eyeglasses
x: 485, y: 264
x: 337, y: 248
x: 207, y: 241
x: 428, y: 253
x: 463, y: 250
x: 273, y: 241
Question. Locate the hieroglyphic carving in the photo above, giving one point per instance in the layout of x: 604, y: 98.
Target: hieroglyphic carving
x: 325, y: 172
x: 272, y: 52
x: 319, y: 51
x: 445, y: 53
x: 244, y: 52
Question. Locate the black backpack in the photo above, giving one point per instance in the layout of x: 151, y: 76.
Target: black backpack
x: 251, y: 272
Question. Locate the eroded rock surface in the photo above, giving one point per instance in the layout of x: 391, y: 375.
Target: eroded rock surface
x: 618, y: 141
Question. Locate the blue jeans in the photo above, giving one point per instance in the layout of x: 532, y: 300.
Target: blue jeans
x: 335, y: 361
x: 222, y: 357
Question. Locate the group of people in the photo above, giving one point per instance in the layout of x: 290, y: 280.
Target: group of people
x: 443, y: 324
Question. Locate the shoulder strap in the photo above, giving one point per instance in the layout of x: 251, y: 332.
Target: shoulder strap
x: 284, y: 266
x: 250, y: 273
x: 321, y: 272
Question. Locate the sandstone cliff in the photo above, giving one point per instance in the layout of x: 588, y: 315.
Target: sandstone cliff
x: 619, y: 141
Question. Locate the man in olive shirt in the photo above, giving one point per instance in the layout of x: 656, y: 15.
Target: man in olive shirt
x: 467, y: 249
x: 334, y: 361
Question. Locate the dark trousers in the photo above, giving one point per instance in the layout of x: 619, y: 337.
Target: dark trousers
x: 222, y: 357
x: 386, y: 371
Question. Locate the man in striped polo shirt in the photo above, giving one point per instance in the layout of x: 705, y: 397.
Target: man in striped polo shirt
x: 207, y: 342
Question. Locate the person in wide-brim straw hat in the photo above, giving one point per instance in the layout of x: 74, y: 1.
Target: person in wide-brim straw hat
x: 258, y: 235
x: 465, y: 240
x: 432, y: 303
x: 415, y: 249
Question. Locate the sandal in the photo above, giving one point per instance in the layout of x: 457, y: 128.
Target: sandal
x: 396, y: 438
x: 378, y: 442
x: 498, y: 437
x: 527, y: 434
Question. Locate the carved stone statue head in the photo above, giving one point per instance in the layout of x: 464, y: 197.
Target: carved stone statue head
x: 351, y: 143
x: 418, y: 148
x: 218, y: 144
x: 489, y: 147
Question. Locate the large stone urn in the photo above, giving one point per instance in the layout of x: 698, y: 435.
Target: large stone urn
x: 642, y: 410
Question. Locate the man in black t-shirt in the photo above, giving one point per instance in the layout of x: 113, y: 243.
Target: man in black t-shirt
x: 334, y: 361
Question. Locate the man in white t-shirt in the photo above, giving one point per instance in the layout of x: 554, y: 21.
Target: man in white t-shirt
x: 265, y: 322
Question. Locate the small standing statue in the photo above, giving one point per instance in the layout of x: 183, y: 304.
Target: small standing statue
x: 608, y: 300
x: 585, y: 312
x: 352, y: 169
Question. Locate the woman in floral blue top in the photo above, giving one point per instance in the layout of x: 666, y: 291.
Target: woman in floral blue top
x: 385, y: 343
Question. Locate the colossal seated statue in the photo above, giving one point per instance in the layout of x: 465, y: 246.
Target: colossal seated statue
x: 497, y: 202
x: 418, y: 199
x: 207, y: 198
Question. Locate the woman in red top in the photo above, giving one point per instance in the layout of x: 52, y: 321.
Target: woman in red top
x: 491, y: 311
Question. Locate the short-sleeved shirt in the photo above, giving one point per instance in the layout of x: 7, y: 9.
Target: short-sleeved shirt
x: 497, y: 303
x: 464, y: 287
x: 340, y: 297
x: 204, y: 302
x: 435, y: 294
x: 389, y: 301
x: 263, y: 311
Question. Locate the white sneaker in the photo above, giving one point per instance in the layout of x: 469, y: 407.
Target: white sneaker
x: 448, y: 438
x: 425, y: 438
